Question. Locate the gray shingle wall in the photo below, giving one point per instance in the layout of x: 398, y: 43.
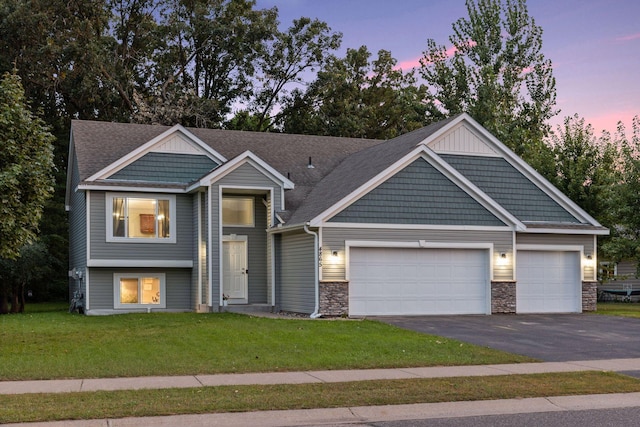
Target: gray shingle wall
x: 166, y: 167
x: 506, y: 185
x: 419, y: 194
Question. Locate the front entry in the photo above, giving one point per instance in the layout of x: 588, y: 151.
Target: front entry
x: 234, y: 269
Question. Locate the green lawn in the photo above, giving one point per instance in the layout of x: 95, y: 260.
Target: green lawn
x: 138, y: 403
x: 48, y: 343
x: 625, y: 309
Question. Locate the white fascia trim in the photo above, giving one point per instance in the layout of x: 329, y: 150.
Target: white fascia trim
x: 556, y: 248
x: 210, y: 247
x: 253, y: 160
x: 415, y: 226
x: 70, y: 169
x: 125, y: 188
x: 139, y: 263
x: 566, y: 231
x: 421, y: 151
x: 146, y: 147
x: 523, y: 167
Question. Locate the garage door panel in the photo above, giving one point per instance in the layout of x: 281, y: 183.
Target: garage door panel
x: 548, y: 282
x: 387, y: 281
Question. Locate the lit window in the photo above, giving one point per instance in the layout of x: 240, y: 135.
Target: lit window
x: 139, y: 290
x: 237, y: 212
x: 141, y: 218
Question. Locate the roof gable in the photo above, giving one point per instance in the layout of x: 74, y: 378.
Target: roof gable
x: 175, y: 140
x: 418, y: 194
x: 461, y: 139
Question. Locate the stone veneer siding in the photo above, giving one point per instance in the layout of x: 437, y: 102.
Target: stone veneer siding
x: 589, y: 296
x: 334, y: 298
x: 503, y: 297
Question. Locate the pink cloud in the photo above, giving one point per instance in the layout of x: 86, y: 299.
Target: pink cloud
x: 628, y: 38
x: 415, y: 62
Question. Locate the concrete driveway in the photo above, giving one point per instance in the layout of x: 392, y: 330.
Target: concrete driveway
x: 550, y: 338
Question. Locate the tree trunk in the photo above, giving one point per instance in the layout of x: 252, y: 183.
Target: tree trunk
x: 4, y: 301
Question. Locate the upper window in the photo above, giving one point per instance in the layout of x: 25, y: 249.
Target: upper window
x: 237, y: 211
x: 141, y: 218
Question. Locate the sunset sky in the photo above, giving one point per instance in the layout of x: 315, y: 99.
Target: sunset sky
x: 594, y: 44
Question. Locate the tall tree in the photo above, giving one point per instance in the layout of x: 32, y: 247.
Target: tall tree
x: 585, y: 167
x: 356, y: 97
x: 625, y: 231
x: 496, y: 72
x: 26, y: 163
x: 303, y: 47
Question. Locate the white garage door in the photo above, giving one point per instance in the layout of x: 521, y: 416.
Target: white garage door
x: 548, y: 282
x: 394, y: 281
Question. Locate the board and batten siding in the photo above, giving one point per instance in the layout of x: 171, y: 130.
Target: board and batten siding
x: 77, y: 230
x: 562, y: 240
x: 257, y: 251
x: 295, y: 275
x: 333, y: 239
x: 103, y: 250
x: 178, y: 287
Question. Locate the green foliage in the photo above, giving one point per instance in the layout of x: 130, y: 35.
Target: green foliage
x: 26, y: 163
x: 585, y: 167
x: 497, y: 73
x: 359, y: 98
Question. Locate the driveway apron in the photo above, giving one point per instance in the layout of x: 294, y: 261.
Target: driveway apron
x: 550, y: 338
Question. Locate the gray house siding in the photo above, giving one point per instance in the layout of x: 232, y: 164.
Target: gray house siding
x: 181, y: 250
x: 295, y: 277
x: 245, y: 176
x: 333, y: 239
x: 166, y: 167
x: 505, y: 184
x: 257, y: 249
x: 178, y: 287
x: 419, y: 194
x: 77, y: 231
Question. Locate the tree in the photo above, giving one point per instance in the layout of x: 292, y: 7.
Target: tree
x: 304, y: 46
x: 26, y: 163
x: 356, y: 97
x: 497, y: 73
x: 625, y: 229
x: 585, y: 167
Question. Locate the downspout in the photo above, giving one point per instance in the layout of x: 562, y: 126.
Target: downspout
x: 316, y: 312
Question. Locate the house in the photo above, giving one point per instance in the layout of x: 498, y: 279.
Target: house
x: 442, y: 220
x: 619, y: 281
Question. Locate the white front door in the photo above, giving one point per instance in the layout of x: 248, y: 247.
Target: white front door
x: 234, y: 270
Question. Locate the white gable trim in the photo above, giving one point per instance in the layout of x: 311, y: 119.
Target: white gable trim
x: 246, y: 157
x: 421, y: 151
x: 517, y: 163
x: 160, y: 141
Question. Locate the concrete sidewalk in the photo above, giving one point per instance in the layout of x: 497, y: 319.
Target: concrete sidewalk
x: 137, y: 383
x: 338, y: 416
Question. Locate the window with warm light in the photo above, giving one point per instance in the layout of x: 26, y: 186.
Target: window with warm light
x: 135, y: 218
x: 139, y: 290
x: 237, y: 212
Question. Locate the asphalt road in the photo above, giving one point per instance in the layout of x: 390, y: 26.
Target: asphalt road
x: 550, y: 338
x: 627, y: 417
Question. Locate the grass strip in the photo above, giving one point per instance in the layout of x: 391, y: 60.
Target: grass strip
x: 139, y: 403
x: 624, y: 309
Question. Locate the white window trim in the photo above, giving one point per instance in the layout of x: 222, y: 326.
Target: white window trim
x: 253, y: 211
x: 116, y: 290
x: 109, y: 220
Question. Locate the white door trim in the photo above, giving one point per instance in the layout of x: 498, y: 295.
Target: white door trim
x: 244, y: 239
